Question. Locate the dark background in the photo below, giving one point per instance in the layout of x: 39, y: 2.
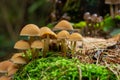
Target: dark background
x: 15, y: 14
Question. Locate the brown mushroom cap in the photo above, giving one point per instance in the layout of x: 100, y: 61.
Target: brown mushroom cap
x: 30, y: 30
x: 86, y: 16
x: 37, y: 44
x: 5, y: 78
x: 22, y: 45
x: 19, y: 60
x: 16, y: 55
x: 63, y: 34
x: 12, y: 69
x: 75, y: 37
x: 4, y: 66
x: 44, y: 31
x: 112, y: 1
x: 94, y: 17
x: 63, y: 25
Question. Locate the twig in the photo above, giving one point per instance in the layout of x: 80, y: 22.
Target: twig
x: 98, y: 78
x: 112, y: 71
x: 28, y: 77
x: 80, y: 72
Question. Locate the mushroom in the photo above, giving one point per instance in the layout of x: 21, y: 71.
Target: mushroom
x: 30, y: 30
x: 94, y: 22
x: 87, y: 18
x: 16, y: 55
x: 111, y: 7
x: 94, y: 18
x: 18, y: 60
x: 36, y: 45
x: 111, y: 3
x: 4, y: 66
x: 63, y: 25
x: 63, y: 35
x: 47, y: 34
x: 5, y: 78
x: 74, y: 37
x: 12, y: 69
x: 23, y: 45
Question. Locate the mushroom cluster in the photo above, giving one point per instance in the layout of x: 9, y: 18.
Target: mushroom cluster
x: 9, y: 67
x: 93, y: 22
x: 40, y: 39
x: 38, y: 42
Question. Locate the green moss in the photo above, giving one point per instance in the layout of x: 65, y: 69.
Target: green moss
x: 58, y: 68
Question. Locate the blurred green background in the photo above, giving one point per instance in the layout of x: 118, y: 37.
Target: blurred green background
x: 15, y: 14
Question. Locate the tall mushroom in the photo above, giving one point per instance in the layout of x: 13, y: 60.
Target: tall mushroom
x: 47, y: 34
x: 74, y: 37
x: 63, y: 35
x: 36, y: 45
x: 63, y: 25
x: 23, y: 45
x: 30, y: 30
x: 113, y: 2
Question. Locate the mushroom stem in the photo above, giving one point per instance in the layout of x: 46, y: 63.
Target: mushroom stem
x: 36, y: 51
x: 116, y: 8
x: 48, y: 41
x: 73, y: 48
x: 46, y: 45
x: 111, y: 11
x: 44, y: 49
x: 63, y: 47
x: 31, y: 39
x: 26, y: 56
x: 33, y: 53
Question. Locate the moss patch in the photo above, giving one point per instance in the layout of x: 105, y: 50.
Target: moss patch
x: 58, y: 68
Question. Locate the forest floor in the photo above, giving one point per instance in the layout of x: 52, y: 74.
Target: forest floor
x: 98, y: 49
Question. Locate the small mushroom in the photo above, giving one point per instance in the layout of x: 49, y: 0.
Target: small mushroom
x: 86, y: 16
x: 74, y: 37
x: 30, y: 30
x: 16, y: 55
x: 99, y: 20
x: 36, y: 45
x: 12, y: 69
x: 47, y: 34
x: 63, y: 35
x: 18, y: 60
x: 23, y: 45
x: 4, y: 66
x: 94, y: 18
x: 63, y: 25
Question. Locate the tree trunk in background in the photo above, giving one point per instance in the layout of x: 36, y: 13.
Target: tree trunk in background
x: 8, y: 25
